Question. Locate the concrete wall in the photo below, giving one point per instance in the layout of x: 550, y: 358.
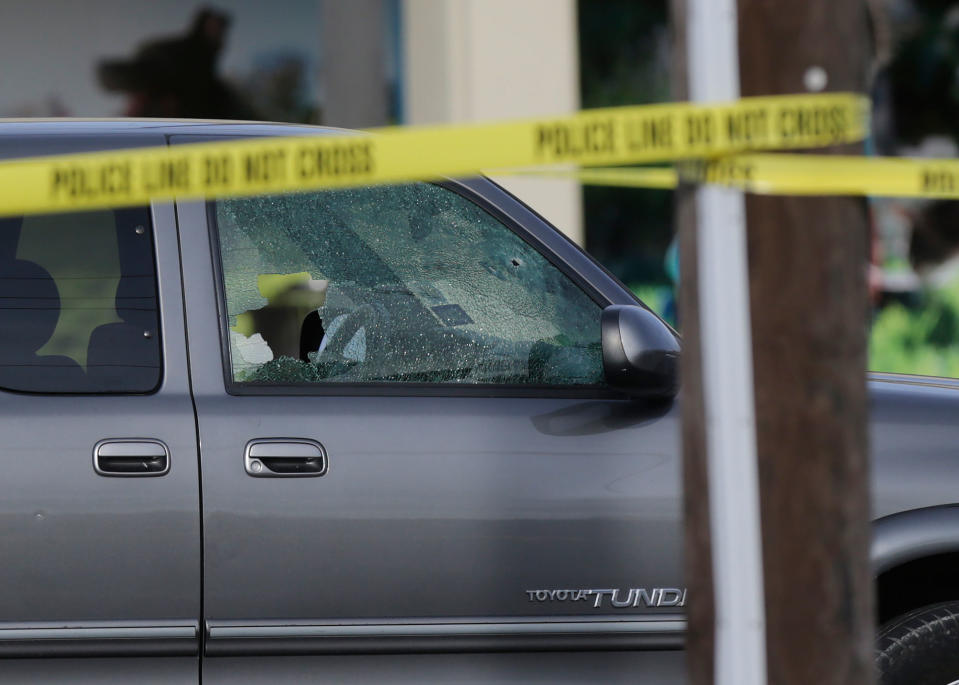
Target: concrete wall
x: 474, y: 60
x: 354, y: 77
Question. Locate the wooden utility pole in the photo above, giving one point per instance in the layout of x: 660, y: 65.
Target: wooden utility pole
x: 808, y: 260
x: 697, y: 552
x: 809, y: 303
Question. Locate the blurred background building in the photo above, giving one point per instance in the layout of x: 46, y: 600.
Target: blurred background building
x: 366, y: 63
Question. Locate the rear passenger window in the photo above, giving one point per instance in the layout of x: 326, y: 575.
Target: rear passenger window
x: 78, y: 303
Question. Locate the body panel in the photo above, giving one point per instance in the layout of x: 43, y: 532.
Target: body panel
x: 100, y: 566
x: 914, y: 534
x: 435, y: 507
x: 97, y: 671
x: 437, y: 516
x: 914, y: 443
x: 533, y: 668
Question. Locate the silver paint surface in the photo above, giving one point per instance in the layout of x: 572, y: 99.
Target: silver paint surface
x: 438, y: 509
x: 78, y: 548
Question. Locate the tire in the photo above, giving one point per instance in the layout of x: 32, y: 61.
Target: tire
x: 920, y: 647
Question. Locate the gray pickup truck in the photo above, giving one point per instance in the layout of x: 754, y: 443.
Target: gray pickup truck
x: 402, y: 434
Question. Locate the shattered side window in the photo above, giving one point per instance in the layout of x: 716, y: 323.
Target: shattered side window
x: 408, y: 283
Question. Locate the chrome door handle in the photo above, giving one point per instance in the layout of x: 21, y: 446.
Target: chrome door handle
x: 131, y: 457
x: 283, y: 458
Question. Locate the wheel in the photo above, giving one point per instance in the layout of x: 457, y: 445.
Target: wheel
x: 921, y: 647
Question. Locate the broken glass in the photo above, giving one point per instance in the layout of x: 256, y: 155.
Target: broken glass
x: 409, y: 283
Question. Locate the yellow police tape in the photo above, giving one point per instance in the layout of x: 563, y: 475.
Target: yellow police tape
x: 623, y: 135
x: 796, y: 174
x: 783, y: 174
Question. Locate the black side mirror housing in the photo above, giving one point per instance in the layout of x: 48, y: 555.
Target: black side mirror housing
x: 640, y: 353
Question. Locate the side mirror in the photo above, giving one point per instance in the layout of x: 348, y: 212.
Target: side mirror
x: 640, y: 353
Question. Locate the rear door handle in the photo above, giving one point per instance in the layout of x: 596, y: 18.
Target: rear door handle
x: 131, y: 457
x: 284, y: 458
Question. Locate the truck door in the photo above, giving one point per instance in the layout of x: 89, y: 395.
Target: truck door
x: 408, y: 450
x: 99, y: 494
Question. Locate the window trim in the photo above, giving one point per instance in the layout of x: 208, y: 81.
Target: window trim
x: 410, y: 389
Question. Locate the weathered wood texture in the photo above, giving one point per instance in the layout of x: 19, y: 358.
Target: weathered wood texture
x: 697, y: 550
x: 807, y: 263
x: 807, y: 266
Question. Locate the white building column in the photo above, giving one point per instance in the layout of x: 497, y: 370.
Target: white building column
x: 353, y: 66
x: 477, y: 60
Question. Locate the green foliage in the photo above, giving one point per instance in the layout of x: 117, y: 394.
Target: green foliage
x: 923, y: 341
x: 622, y: 52
x: 657, y: 298
x: 624, y: 60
